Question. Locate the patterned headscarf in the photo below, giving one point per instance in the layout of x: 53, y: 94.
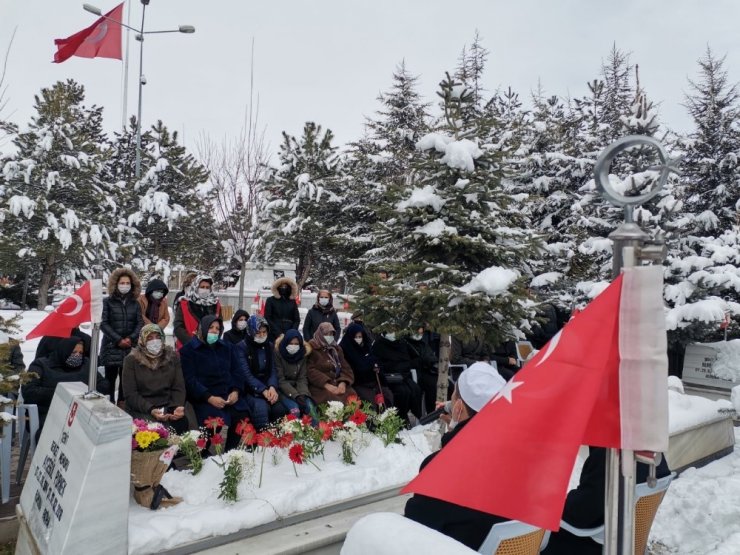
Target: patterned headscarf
x: 144, y: 333
x: 192, y: 292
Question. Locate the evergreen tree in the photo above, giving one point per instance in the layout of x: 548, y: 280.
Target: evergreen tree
x: 58, y: 200
x: 301, y: 205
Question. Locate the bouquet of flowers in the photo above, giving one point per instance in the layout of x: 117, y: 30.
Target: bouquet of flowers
x: 192, y: 444
x: 151, y: 456
x: 387, y: 425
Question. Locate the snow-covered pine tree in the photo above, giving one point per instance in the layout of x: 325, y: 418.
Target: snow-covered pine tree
x: 58, y: 203
x: 301, y: 205
x: 451, y: 244
x: 703, y: 281
x: 381, y: 158
x: 470, y: 69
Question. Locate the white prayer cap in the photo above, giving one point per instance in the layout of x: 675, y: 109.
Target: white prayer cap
x: 478, y: 384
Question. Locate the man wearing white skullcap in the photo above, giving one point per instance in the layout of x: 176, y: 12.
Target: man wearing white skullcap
x: 473, y: 390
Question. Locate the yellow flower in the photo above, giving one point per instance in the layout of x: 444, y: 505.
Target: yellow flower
x: 145, y: 437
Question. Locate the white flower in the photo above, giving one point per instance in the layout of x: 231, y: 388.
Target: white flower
x: 191, y: 435
x: 386, y: 413
x: 238, y: 456
x: 334, y: 410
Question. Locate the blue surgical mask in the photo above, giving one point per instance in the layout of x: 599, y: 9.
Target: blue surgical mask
x: 211, y: 338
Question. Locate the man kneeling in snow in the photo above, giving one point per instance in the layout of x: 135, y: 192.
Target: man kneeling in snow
x: 475, y: 387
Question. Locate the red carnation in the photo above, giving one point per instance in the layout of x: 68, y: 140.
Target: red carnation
x: 352, y: 399
x: 325, y: 429
x: 296, y: 453
x: 306, y: 420
x: 358, y: 417
x: 217, y: 439
x: 290, y: 417
x: 201, y: 442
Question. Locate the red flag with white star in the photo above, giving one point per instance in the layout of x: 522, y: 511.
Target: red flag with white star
x: 601, y: 381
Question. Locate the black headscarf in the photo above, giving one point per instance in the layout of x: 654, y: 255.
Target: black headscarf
x: 287, y: 338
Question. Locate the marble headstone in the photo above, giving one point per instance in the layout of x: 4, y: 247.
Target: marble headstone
x: 76, y: 496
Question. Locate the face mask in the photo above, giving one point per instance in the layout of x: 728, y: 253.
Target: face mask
x: 329, y: 339
x: 154, y: 346
x: 390, y: 336
x: 416, y: 337
x: 358, y: 340
x: 123, y: 289
x: 284, y: 291
x: 203, y: 292
x: 260, y: 339
x: 292, y: 349
x: 74, y: 360
x: 211, y: 338
x: 323, y: 301
x: 454, y: 421
x: 241, y: 325
x: 157, y: 295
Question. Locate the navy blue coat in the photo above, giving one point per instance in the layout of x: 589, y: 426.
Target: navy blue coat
x: 258, y: 380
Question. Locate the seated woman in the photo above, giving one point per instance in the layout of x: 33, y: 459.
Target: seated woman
x: 238, y: 331
x: 152, y: 381
x: 215, y: 377
x: 265, y: 403
x: 396, y: 358
x: 66, y: 364
x: 330, y: 378
x: 290, y: 361
x: 356, y: 348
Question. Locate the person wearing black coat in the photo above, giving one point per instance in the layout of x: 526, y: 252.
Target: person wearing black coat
x: 48, y: 343
x: 66, y: 364
x: 322, y: 311
x: 396, y: 358
x: 281, y: 310
x: 356, y: 347
x: 427, y: 369
x: 584, y: 506
x: 238, y: 331
x: 120, y: 324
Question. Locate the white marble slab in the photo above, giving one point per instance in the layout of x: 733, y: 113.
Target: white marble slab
x: 76, y: 496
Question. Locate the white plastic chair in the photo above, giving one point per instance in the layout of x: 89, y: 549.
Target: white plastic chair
x: 647, y: 501
x: 6, y: 443
x: 513, y: 537
x: 26, y: 438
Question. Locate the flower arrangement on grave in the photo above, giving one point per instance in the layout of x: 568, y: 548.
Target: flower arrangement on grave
x: 387, y: 426
x: 348, y: 423
x: 152, y: 452
x: 233, y: 463
x: 192, y: 444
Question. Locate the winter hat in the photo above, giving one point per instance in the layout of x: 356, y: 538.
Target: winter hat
x: 478, y: 384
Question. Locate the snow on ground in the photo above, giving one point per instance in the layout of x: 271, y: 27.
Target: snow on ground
x: 727, y: 364
x: 687, y: 411
x: 202, y: 514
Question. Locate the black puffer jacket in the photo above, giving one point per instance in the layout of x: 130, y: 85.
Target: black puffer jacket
x: 121, y: 318
x: 234, y: 335
x: 281, y: 312
x: 318, y: 314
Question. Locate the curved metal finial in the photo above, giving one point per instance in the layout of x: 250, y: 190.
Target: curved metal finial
x: 603, y: 164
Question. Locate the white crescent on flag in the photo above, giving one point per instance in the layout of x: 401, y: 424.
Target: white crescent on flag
x: 99, y: 35
x: 78, y: 305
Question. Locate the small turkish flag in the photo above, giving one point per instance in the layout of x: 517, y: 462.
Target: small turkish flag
x: 84, y: 305
x: 102, y: 39
x: 600, y: 381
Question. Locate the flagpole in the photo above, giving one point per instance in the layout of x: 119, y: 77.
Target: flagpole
x: 140, y: 38
x: 92, y: 381
x: 124, y: 108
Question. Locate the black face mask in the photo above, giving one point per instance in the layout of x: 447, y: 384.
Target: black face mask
x: 74, y: 360
x: 284, y: 291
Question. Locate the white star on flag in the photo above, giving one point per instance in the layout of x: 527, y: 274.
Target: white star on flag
x: 505, y: 391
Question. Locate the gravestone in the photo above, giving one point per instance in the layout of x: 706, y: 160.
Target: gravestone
x: 76, y: 496
x: 697, y: 370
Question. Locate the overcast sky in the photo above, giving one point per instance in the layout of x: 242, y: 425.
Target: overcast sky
x: 326, y: 60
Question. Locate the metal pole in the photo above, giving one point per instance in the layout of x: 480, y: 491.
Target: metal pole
x: 140, y: 38
x: 92, y: 380
x: 124, y: 110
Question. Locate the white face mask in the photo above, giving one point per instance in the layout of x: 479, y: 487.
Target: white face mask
x: 157, y: 295
x: 390, y: 336
x: 154, y: 346
x: 416, y: 337
x: 323, y: 301
x: 292, y: 349
x: 241, y: 325
x: 454, y: 421
x: 358, y: 340
x: 203, y: 292
x: 124, y: 288
x: 260, y: 338
x: 329, y: 339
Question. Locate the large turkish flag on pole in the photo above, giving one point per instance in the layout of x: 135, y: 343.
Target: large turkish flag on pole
x: 84, y: 305
x: 102, y: 39
x: 601, y: 381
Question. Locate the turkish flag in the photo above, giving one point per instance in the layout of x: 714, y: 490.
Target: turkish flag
x: 600, y: 381
x: 102, y: 39
x: 84, y: 305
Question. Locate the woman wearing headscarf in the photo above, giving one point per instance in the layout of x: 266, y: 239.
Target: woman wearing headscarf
x: 199, y: 301
x: 322, y: 311
x: 153, y: 382
x: 330, y: 378
x: 265, y: 401
x: 153, y: 304
x: 121, y: 323
x: 66, y: 364
x: 356, y: 348
x: 281, y: 310
x: 291, y: 353
x: 238, y: 331
x: 214, y: 377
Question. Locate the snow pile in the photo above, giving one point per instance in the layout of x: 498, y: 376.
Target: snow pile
x: 707, y: 310
x: 545, y: 279
x: 491, y: 281
x: 399, y: 536
x: 688, y: 411
x: 421, y: 198
x: 727, y: 364
x: 461, y: 155
x: 699, y: 513
x: 436, y: 228
x: 202, y: 514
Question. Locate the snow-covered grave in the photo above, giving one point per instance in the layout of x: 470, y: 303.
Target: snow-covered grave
x: 712, y: 369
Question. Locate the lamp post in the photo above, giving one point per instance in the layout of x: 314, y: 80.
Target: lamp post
x: 187, y: 29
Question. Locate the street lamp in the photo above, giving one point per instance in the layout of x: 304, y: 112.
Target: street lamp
x: 187, y: 29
